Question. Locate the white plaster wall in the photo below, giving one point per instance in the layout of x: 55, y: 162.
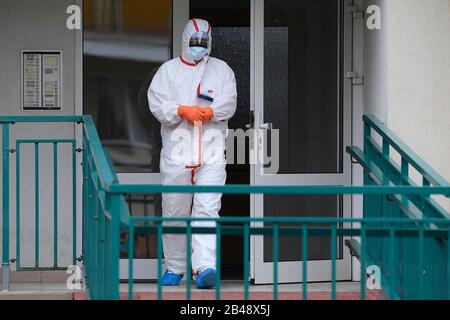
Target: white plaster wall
x: 39, y: 25
x: 418, y: 79
x: 376, y: 64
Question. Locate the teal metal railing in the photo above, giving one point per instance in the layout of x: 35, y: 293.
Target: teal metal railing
x: 8, y: 154
x: 37, y: 143
x: 415, y: 268
x: 399, y: 229
x: 403, y: 231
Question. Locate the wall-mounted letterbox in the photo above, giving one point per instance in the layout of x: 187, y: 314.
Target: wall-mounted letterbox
x: 41, y: 80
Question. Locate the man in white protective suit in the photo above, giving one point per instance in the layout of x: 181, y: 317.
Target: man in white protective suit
x: 193, y: 96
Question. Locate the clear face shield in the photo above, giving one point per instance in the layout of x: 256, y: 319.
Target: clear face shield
x: 198, y: 45
x: 199, y: 39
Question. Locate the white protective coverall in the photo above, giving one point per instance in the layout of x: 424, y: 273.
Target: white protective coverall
x: 179, y: 82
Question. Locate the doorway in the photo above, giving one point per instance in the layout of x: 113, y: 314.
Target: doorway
x: 231, y: 43
x: 289, y: 58
x: 123, y: 49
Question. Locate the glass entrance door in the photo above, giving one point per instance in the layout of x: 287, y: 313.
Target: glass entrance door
x: 125, y: 42
x: 303, y: 102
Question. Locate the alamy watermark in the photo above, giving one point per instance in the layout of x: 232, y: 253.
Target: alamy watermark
x: 73, y: 21
x: 374, y: 277
x: 75, y: 279
x: 373, y: 18
x: 213, y: 146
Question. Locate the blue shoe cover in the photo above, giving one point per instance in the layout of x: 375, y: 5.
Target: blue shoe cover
x: 171, y: 279
x: 206, y: 279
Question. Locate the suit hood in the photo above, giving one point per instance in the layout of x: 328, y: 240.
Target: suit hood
x: 193, y: 26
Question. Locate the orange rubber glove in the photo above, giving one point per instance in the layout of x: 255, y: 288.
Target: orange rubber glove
x: 208, y: 113
x: 191, y: 113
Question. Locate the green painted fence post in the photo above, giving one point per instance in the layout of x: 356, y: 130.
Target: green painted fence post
x: 55, y: 204
x: 159, y: 254
x: 130, y: 259
x: 333, y: 261
x: 36, y: 204
x: 115, y: 244
x: 218, y: 258
x: 448, y: 264
x: 17, y: 205
x: 275, y: 233
x: 305, y: 261
x: 74, y: 202
x: 188, y: 259
x: 246, y: 259
x: 5, y: 229
x: 363, y: 262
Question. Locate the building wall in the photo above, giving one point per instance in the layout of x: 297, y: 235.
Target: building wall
x: 40, y: 25
x: 407, y: 76
x: 376, y: 64
x: 419, y: 78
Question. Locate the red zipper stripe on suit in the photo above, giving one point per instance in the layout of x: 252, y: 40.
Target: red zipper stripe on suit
x: 187, y: 62
x: 200, y: 146
x: 195, y: 25
x: 199, y: 157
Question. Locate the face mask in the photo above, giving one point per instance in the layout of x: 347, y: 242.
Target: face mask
x: 198, y: 53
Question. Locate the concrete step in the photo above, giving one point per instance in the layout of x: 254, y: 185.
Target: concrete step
x: 36, y: 295
x: 37, y: 276
x: 235, y: 295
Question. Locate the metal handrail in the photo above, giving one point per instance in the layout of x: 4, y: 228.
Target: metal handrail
x: 405, y: 151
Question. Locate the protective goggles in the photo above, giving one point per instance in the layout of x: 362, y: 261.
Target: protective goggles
x: 199, y: 39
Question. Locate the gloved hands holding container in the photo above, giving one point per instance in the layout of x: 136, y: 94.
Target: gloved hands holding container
x: 196, y: 113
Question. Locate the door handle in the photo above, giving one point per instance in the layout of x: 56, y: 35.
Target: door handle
x: 252, y: 120
x: 266, y: 126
